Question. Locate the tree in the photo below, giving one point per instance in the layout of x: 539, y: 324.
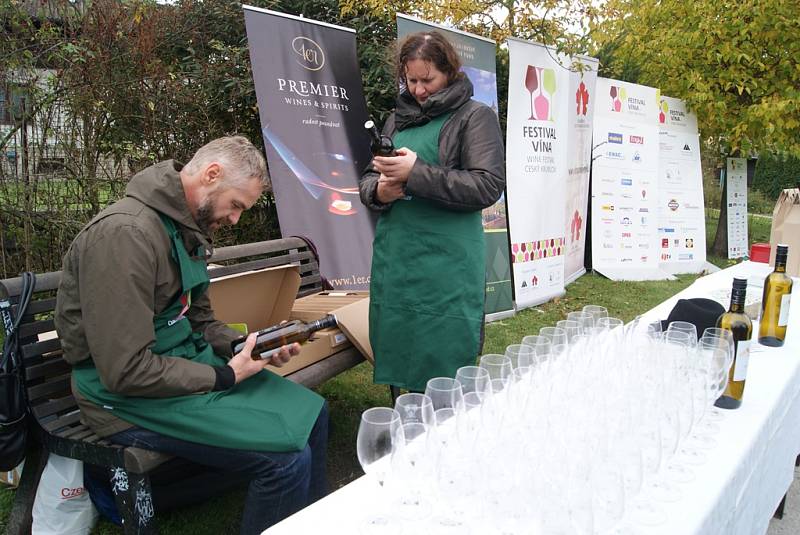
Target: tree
x: 735, y: 64
x: 560, y: 23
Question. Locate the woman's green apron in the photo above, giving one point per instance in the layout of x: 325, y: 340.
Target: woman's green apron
x: 263, y: 413
x: 427, y: 282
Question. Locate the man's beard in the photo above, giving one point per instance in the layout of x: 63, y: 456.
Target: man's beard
x: 205, y: 216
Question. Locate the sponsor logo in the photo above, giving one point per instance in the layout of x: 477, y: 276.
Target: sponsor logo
x: 607, y: 246
x: 582, y: 99
x: 665, y: 243
x: 689, y: 243
x: 673, y: 205
x: 644, y: 210
x: 687, y: 256
x: 542, y: 78
x: 608, y: 207
x: 626, y: 260
x: 627, y: 196
x: 625, y: 221
x: 637, y: 140
x: 637, y: 158
x: 618, y: 94
x: 607, y: 233
x: 626, y: 182
x: 687, y: 148
x: 644, y: 194
x: 663, y: 110
x: 310, y: 54
x: 69, y: 493
x: 607, y: 220
x: 626, y: 234
x: 643, y: 258
x: 665, y: 256
x: 676, y: 242
x: 625, y: 208
x: 615, y: 155
x: 643, y: 246
x: 644, y: 220
x: 626, y: 246
x: 669, y: 229
x: 534, y: 281
x: 614, y: 137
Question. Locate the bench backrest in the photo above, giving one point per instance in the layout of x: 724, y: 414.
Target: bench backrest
x: 47, y: 374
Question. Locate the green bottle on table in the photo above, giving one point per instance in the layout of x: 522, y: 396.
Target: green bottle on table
x: 775, y: 302
x: 739, y: 324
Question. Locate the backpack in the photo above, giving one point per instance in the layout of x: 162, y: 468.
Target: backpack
x: 13, y: 402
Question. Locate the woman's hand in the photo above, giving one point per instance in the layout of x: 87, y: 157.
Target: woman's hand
x: 396, y: 167
x: 390, y: 190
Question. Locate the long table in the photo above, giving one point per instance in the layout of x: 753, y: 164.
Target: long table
x: 734, y: 493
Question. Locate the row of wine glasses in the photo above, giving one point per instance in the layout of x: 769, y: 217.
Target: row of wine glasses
x: 585, y: 427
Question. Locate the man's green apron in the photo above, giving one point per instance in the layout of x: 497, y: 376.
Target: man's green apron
x: 263, y: 413
x: 427, y: 282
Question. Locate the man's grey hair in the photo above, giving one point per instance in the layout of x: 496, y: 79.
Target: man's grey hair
x: 240, y: 160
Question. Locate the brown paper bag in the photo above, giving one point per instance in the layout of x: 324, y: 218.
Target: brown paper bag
x: 786, y: 229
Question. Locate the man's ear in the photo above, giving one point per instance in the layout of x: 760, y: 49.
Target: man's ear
x: 213, y: 174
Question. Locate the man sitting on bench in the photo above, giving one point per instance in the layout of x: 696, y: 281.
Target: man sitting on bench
x: 153, y: 369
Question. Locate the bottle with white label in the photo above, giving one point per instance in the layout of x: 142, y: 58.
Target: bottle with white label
x: 775, y: 302
x: 736, y: 321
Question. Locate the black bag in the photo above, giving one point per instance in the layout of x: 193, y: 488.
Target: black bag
x: 13, y: 402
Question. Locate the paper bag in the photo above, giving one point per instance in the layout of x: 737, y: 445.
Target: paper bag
x: 786, y: 229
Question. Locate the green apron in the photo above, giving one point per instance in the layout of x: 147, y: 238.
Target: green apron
x: 427, y: 282
x: 263, y: 413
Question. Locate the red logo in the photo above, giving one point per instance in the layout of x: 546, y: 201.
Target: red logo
x: 639, y: 140
x: 582, y: 99
x: 68, y: 493
x: 575, y: 226
x: 534, y: 280
x: 665, y: 243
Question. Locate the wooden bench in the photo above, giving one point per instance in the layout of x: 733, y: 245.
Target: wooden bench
x: 55, y: 425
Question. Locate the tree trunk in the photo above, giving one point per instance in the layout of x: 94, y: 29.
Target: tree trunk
x: 720, y: 247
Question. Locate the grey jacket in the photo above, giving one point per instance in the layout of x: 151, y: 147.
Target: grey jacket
x: 117, y: 275
x: 471, y: 175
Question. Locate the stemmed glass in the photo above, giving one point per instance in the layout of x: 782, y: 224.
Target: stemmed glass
x: 415, y: 408
x: 413, y: 465
x: 584, y: 319
x: 498, y: 366
x: 596, y: 311
x: 556, y: 335
x: 473, y: 379
x: 445, y: 393
x: 380, y: 434
x: 521, y: 355
x: 684, y: 326
x: 570, y: 327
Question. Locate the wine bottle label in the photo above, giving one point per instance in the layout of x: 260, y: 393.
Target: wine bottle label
x: 783, y: 318
x: 268, y: 354
x: 742, y: 360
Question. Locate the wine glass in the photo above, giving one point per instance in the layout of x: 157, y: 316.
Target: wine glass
x: 379, y: 435
x: 570, y: 327
x: 584, y: 319
x: 473, y: 379
x: 596, y: 311
x: 531, y: 84
x: 521, y: 355
x: 556, y: 335
x: 498, y: 366
x: 445, y: 393
x: 413, y: 464
x: 415, y: 408
x: 684, y: 326
x: 609, y: 323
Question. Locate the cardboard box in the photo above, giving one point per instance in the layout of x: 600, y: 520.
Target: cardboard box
x: 266, y: 297
x: 786, y: 229
x: 12, y: 477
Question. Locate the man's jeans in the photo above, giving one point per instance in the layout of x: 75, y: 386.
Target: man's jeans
x: 282, y: 483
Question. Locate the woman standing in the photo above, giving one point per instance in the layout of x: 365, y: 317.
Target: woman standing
x: 428, y: 262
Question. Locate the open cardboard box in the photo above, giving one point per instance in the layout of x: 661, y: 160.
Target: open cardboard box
x: 266, y: 297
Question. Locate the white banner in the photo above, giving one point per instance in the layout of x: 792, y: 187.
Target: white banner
x: 736, y: 177
x: 583, y: 101
x: 536, y: 169
x: 625, y: 182
x: 681, y: 223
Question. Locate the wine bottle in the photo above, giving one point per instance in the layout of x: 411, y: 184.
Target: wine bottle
x: 775, y: 302
x: 379, y: 144
x: 737, y: 322
x: 270, y: 340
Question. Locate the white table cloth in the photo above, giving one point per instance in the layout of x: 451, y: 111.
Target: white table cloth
x: 734, y: 493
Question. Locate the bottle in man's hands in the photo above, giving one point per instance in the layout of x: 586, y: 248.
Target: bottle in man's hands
x: 270, y: 340
x: 379, y: 144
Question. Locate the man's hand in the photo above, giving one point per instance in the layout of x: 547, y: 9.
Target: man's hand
x: 244, y: 366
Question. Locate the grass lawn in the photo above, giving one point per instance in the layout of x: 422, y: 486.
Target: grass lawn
x: 353, y: 392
